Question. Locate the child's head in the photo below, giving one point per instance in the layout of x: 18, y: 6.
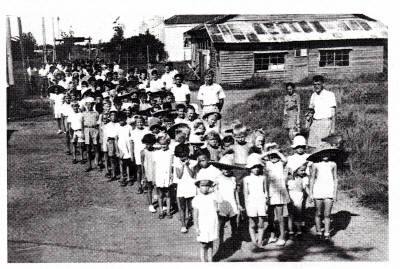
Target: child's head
x: 75, y: 107
x: 199, y: 128
x: 139, y: 122
x: 67, y: 99
x: 154, y: 74
x: 113, y: 116
x: 213, y: 139
x: 181, y: 110
x: 178, y: 79
x: 168, y: 67
x: 182, y: 151
x: 256, y: 170
x: 259, y: 139
x: 164, y: 141
x: 212, y: 118
x: 143, y: 74
x: 240, y: 133
x: 191, y: 112
x: 299, y: 144
x: 274, y: 158
x: 149, y: 140
x: 290, y: 88
x: 301, y: 171
x: 122, y: 118
x: 209, y: 78
x: 203, y: 157
x: 204, y: 186
x: 228, y: 141
x: 254, y: 164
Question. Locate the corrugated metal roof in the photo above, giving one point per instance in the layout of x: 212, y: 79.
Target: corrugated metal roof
x: 189, y: 19
x: 242, y: 31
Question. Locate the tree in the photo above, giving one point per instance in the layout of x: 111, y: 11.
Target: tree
x: 29, y: 43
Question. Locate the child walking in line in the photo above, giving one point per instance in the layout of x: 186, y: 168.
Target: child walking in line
x: 147, y: 160
x: 297, y: 187
x: 278, y: 195
x: 323, y: 187
x: 137, y: 134
x: 103, y: 120
x: 110, y: 132
x: 57, y: 99
x: 186, y: 189
x: 125, y: 148
x: 91, y: 132
x: 75, y: 127
x: 229, y: 207
x: 255, y: 195
x: 66, y: 110
x: 163, y: 173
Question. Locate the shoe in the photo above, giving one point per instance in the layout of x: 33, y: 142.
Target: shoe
x: 152, y: 209
x: 169, y: 216
x: 327, y: 237
x: 59, y: 132
x: 83, y: 161
x: 130, y: 182
x: 107, y: 174
x: 101, y: 166
x: 299, y: 234
x: 123, y: 183
x: 280, y: 242
x: 112, y: 179
x: 74, y: 161
x: 164, y: 208
x: 161, y: 215
x: 88, y: 169
x: 319, y: 236
x: 272, y: 240
x: 184, y: 230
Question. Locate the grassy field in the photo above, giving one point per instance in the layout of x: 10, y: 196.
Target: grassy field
x: 361, y: 119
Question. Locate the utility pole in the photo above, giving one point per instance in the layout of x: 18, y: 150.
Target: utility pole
x: 44, y: 41
x: 22, y: 50
x: 54, y: 41
x: 58, y: 27
x: 10, y: 72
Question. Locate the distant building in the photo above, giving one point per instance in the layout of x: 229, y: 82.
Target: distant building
x: 288, y: 47
x: 176, y: 46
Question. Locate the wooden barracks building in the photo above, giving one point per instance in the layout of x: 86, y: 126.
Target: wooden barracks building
x: 288, y: 47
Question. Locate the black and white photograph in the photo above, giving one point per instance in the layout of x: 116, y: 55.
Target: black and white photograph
x: 196, y: 134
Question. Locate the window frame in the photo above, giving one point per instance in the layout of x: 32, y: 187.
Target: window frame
x: 300, y: 50
x: 258, y: 53
x: 334, y: 53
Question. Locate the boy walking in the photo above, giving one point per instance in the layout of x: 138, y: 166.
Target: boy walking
x: 91, y: 131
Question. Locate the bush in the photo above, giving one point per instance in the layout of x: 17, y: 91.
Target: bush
x: 365, y: 137
x: 250, y: 83
x: 362, y: 78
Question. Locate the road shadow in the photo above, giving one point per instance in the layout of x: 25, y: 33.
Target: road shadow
x: 227, y: 249
x: 340, y: 221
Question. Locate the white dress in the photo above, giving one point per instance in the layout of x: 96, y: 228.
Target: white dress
x: 296, y: 188
x: 206, y: 204
x: 295, y: 161
x: 226, y: 189
x: 186, y: 187
x: 137, y: 136
x: 324, y: 184
x: 124, y: 141
x: 256, y: 202
x: 277, y: 183
x: 162, y: 167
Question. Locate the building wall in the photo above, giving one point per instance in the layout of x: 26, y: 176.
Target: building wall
x: 174, y: 42
x: 236, y: 65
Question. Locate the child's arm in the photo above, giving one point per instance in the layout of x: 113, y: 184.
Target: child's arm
x: 179, y: 171
x: 142, y: 158
x: 335, y: 181
x: 132, y: 152
x: 245, y: 190
x: 266, y: 190
x: 190, y: 170
x: 237, y: 198
x: 284, y: 106
x: 196, y: 220
x: 298, y: 110
x: 312, y: 181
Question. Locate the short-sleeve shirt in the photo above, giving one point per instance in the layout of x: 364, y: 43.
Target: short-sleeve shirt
x: 76, y: 120
x: 295, y: 161
x: 209, y: 173
x: 155, y: 86
x: 111, y: 130
x: 57, y: 98
x: 322, y: 104
x: 180, y: 92
x: 90, y: 118
x: 211, y: 94
x: 168, y: 78
x: 292, y: 101
x: 66, y: 110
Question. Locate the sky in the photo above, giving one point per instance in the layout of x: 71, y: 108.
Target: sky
x: 95, y: 19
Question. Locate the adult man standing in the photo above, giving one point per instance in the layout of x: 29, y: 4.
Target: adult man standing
x: 323, y: 105
x: 211, y: 95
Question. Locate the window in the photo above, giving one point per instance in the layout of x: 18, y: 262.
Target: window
x: 269, y: 61
x: 330, y: 58
x: 186, y: 43
x: 300, y: 53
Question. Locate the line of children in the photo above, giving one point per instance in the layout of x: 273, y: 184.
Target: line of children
x: 211, y: 178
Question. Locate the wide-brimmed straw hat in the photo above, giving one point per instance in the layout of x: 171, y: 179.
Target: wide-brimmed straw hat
x: 299, y: 141
x: 226, y: 163
x: 211, y: 182
x: 334, y: 154
x: 205, y: 116
x: 253, y: 160
x: 173, y: 128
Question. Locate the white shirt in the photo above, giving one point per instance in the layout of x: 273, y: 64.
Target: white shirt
x: 155, y: 86
x: 66, y: 110
x: 295, y: 161
x: 42, y: 72
x: 110, y: 130
x: 180, y: 92
x: 168, y: 78
x: 57, y: 98
x: 209, y: 173
x: 322, y: 104
x: 76, y: 120
x: 63, y: 84
x: 210, y: 94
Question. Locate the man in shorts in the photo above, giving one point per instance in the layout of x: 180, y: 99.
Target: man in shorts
x: 91, y: 131
x: 75, y: 126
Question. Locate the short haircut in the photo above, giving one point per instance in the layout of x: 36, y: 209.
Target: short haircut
x: 143, y: 71
x: 198, y: 124
x: 181, y: 106
x: 179, y: 75
x: 191, y: 107
x: 290, y: 84
x: 202, y: 152
x: 169, y: 64
x: 84, y: 83
x: 154, y: 72
x: 149, y: 139
x: 121, y: 115
x: 318, y: 78
x: 182, y: 150
x: 228, y: 139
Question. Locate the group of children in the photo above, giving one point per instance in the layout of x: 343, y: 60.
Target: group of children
x: 149, y: 132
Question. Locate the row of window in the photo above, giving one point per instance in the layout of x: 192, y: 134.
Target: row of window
x: 276, y: 61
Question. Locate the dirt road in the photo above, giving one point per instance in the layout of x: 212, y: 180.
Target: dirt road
x: 59, y: 213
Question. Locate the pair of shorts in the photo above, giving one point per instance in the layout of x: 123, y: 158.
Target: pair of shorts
x: 91, y: 134
x: 77, y: 136
x: 111, y: 148
x: 57, y: 113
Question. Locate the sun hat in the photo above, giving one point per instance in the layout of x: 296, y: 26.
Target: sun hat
x: 253, y: 159
x: 210, y: 183
x: 239, y: 129
x: 298, y: 141
x: 172, y: 130
x: 212, y: 135
x: 226, y: 163
x: 89, y: 100
x: 205, y: 116
x: 334, y: 154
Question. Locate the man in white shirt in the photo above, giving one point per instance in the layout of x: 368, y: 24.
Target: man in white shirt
x: 156, y: 84
x: 211, y: 95
x: 168, y: 77
x: 323, y: 105
x: 180, y: 91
